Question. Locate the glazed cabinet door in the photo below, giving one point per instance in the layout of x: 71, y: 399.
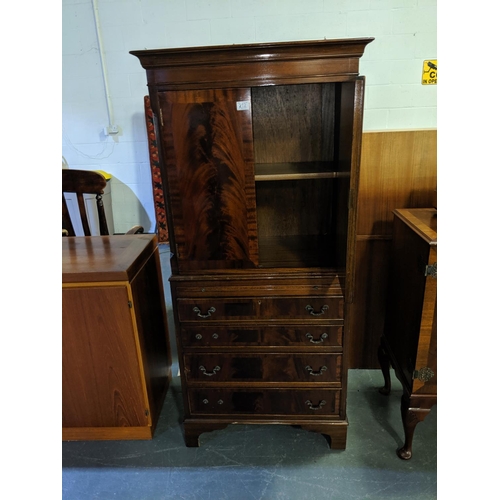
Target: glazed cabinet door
x: 208, y: 149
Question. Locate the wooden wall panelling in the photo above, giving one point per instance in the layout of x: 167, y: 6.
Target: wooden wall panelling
x: 398, y: 170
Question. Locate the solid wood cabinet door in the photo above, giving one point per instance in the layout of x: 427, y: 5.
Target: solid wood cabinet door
x: 411, y: 313
x: 208, y: 149
x: 101, y: 382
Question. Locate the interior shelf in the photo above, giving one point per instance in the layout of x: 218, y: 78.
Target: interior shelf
x: 296, y: 170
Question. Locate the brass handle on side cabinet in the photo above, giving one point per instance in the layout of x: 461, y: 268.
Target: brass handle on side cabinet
x: 318, y: 373
x: 208, y: 374
x: 321, y: 339
x: 316, y: 407
x: 209, y: 312
x: 310, y: 309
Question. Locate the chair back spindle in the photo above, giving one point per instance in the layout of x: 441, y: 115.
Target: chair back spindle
x: 83, y: 182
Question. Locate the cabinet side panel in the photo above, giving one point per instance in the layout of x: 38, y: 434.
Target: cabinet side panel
x: 208, y: 162
x: 150, y: 312
x: 367, y: 312
x: 405, y: 297
x: 101, y: 379
x: 349, y: 108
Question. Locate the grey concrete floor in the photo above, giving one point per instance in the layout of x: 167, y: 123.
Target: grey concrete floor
x: 261, y: 462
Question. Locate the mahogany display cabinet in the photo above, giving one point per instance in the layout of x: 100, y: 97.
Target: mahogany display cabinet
x: 259, y: 149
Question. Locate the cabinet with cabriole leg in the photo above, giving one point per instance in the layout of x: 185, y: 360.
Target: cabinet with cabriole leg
x: 260, y: 148
x: 409, y: 342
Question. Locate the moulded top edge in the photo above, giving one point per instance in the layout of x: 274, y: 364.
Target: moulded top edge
x: 104, y: 258
x: 422, y: 220
x: 342, y: 47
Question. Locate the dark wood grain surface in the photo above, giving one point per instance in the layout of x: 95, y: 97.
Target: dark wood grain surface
x: 261, y: 260
x: 254, y: 402
x: 104, y: 258
x: 253, y: 64
x: 300, y: 336
x: 272, y: 368
x: 209, y: 170
x: 269, y: 308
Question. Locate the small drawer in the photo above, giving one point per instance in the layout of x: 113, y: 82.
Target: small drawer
x: 260, y: 367
x: 306, y: 402
x: 266, y: 308
x: 254, y: 336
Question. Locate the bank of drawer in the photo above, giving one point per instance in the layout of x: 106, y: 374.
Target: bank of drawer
x: 306, y: 402
x: 269, y: 308
x: 263, y: 367
x: 254, y: 336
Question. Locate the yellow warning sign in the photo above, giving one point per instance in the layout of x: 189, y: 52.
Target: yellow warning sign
x: 430, y: 72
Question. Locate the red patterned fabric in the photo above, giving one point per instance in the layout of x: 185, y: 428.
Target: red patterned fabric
x: 159, y: 200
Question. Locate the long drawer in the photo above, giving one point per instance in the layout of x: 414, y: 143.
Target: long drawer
x: 244, y: 401
x: 263, y: 367
x: 310, y: 336
x: 265, y: 308
x: 305, y: 285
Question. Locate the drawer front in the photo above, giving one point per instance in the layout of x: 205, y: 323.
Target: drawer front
x: 277, y: 336
x: 277, y: 286
x: 306, y: 402
x: 278, y: 368
x: 268, y: 308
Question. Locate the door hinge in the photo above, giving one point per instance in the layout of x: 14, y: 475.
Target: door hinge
x: 431, y: 270
x: 424, y: 374
x: 161, y: 117
x: 146, y: 412
x: 130, y: 304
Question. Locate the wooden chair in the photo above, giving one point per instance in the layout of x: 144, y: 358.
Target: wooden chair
x: 86, y: 182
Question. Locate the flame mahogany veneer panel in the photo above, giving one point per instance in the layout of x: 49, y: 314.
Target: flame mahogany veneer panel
x: 210, y: 171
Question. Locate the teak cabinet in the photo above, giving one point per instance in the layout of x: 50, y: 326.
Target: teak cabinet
x: 115, y: 349
x: 409, y: 342
x: 260, y: 147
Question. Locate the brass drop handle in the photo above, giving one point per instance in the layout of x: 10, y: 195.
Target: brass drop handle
x: 209, y: 374
x: 220, y: 402
x: 310, y: 309
x: 321, y: 339
x: 209, y: 312
x: 318, y: 373
x: 316, y: 407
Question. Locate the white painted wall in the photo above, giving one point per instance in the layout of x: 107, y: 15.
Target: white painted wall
x: 405, y: 34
